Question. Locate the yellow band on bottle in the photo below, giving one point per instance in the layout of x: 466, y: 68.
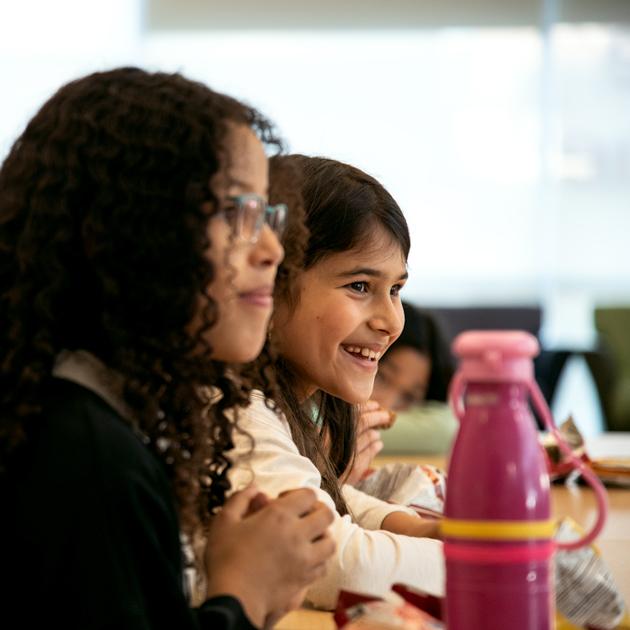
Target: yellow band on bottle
x: 497, y: 530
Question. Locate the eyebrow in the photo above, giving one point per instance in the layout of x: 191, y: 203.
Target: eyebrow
x: 368, y: 271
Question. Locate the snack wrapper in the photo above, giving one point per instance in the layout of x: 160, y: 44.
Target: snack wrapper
x: 360, y: 612
x: 586, y: 594
x: 558, y: 466
x: 421, y: 487
x: 612, y: 472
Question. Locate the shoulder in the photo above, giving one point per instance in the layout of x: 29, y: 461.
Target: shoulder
x: 83, y: 440
x: 85, y: 469
x: 264, y: 426
x: 265, y: 452
x: 261, y: 413
x: 92, y: 522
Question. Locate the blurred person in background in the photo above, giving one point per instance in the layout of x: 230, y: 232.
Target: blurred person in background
x: 408, y: 411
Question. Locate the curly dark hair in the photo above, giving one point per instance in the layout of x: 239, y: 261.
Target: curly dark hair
x: 104, y: 205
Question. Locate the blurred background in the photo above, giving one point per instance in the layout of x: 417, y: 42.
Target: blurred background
x: 502, y: 127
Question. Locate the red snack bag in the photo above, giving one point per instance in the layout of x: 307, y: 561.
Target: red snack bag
x: 425, y: 602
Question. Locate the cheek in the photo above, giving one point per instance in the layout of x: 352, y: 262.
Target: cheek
x: 216, y: 288
x: 230, y: 273
x: 307, y: 325
x: 217, y: 291
x: 331, y: 327
x: 234, y: 266
x: 339, y: 320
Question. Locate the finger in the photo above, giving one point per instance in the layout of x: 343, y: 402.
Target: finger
x: 298, y: 501
x: 374, y: 419
x: 315, y: 524
x: 237, y: 505
x: 391, y: 420
x: 370, y: 405
x: 376, y: 448
x: 369, y: 412
x: 322, y: 550
x: 258, y: 502
x: 367, y: 440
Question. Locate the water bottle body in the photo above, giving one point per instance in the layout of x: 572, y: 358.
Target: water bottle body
x: 497, y: 543
x: 497, y: 468
x: 516, y: 596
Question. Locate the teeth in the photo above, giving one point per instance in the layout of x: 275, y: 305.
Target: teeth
x: 364, y: 352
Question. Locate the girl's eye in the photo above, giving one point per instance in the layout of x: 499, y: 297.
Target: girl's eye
x: 359, y: 287
x: 396, y: 289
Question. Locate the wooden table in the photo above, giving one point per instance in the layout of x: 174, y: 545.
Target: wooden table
x: 575, y: 501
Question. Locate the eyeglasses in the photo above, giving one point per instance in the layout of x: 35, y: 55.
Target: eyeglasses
x: 246, y: 215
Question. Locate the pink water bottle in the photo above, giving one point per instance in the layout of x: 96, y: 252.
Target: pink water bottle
x: 497, y: 530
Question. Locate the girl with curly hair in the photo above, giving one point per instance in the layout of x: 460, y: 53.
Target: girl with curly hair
x: 334, y: 317
x: 137, y: 262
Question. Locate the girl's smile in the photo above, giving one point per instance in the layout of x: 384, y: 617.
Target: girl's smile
x: 365, y: 355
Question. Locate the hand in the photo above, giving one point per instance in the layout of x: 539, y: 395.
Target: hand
x: 411, y: 525
x: 368, y: 444
x: 266, y: 552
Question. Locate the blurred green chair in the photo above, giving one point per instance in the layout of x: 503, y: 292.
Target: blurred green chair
x: 612, y: 371
x: 426, y: 429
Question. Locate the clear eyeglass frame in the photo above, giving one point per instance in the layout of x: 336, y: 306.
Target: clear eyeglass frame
x: 247, y: 214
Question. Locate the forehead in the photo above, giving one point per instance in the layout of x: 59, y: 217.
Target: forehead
x: 377, y: 250
x: 245, y: 166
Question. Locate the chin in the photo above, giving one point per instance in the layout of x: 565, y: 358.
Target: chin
x: 352, y: 395
x: 249, y: 355
x: 244, y: 353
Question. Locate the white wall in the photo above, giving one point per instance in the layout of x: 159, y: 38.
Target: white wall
x: 510, y: 157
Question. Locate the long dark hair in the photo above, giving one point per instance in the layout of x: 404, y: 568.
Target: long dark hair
x: 423, y: 333
x: 104, y: 205
x: 342, y: 205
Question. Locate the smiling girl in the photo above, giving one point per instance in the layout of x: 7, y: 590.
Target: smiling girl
x: 333, y: 320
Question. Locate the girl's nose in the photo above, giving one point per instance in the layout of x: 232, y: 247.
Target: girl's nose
x: 267, y: 250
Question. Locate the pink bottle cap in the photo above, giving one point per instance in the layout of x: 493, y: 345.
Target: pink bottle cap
x: 496, y: 355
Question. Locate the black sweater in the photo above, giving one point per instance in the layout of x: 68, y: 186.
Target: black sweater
x: 89, y: 535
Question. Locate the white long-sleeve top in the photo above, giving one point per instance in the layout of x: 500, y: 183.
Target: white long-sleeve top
x: 368, y: 560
